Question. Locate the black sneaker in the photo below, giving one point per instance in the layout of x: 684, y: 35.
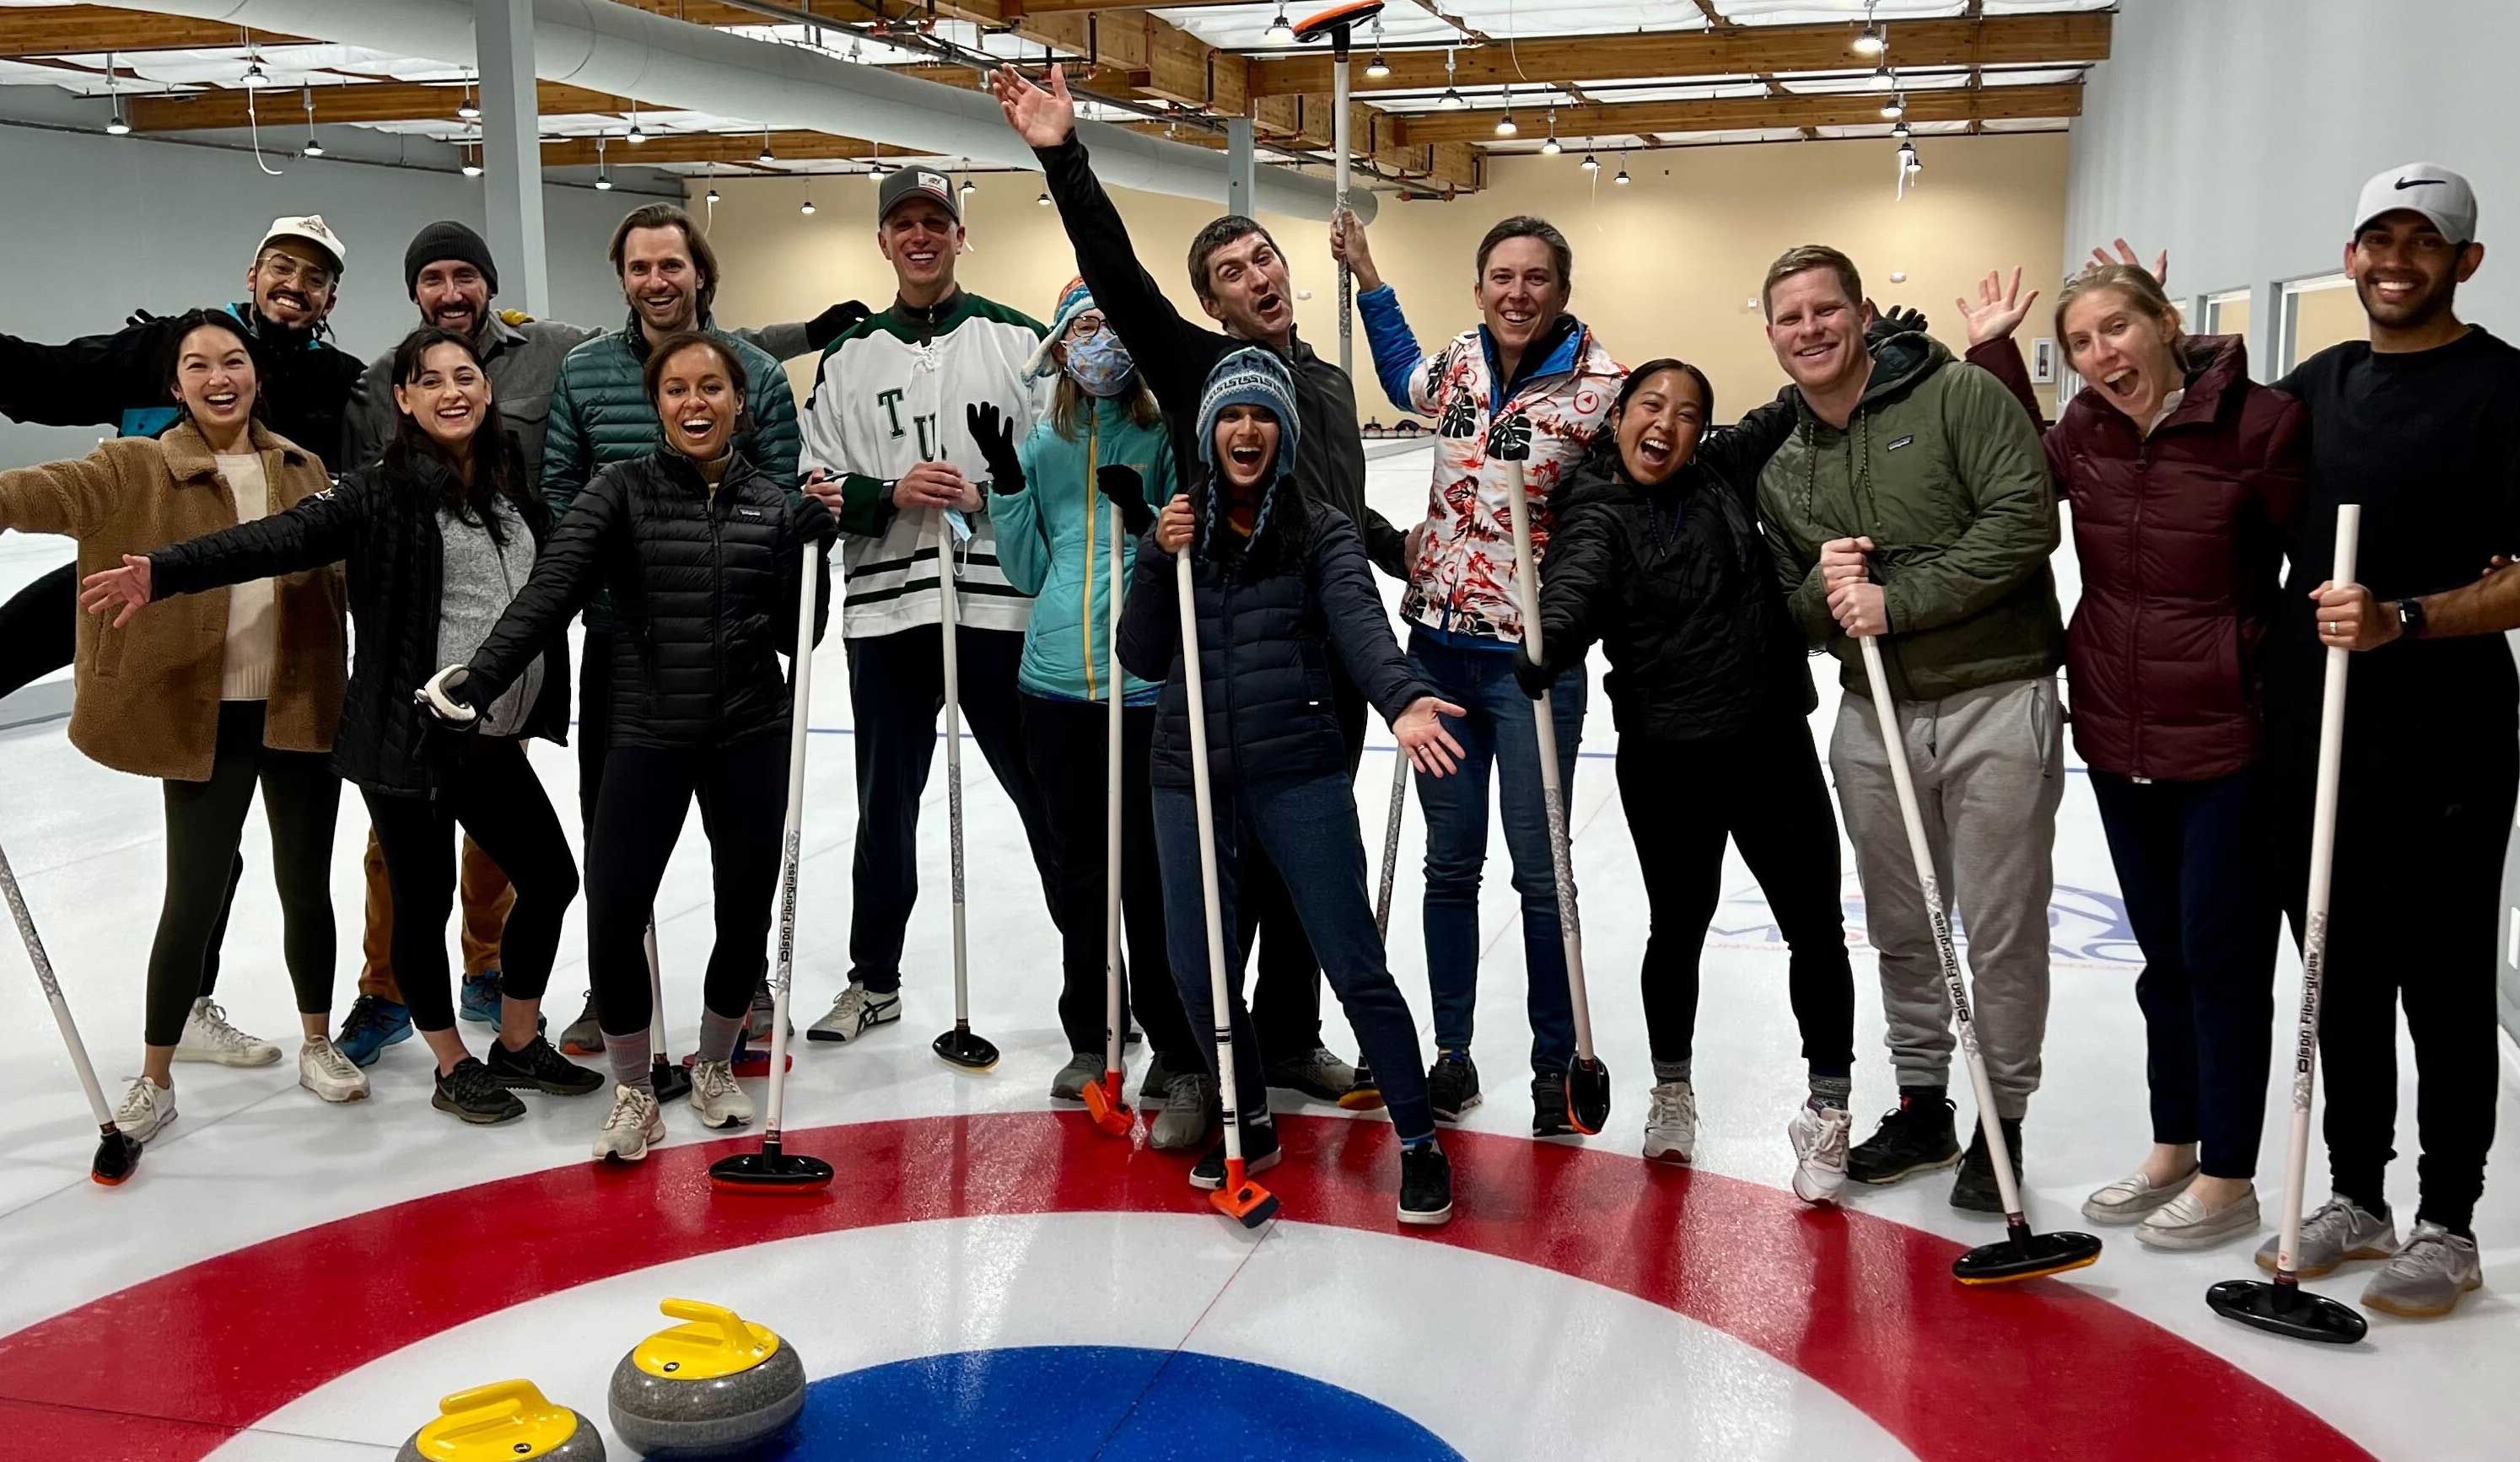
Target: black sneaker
x: 1452, y: 1086
x: 470, y: 1092
x: 1259, y: 1154
x: 540, y: 1068
x: 1913, y: 1137
x: 1976, y: 1190
x: 1549, y: 1106
x: 1425, y: 1185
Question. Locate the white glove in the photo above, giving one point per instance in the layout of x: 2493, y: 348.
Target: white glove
x: 437, y: 697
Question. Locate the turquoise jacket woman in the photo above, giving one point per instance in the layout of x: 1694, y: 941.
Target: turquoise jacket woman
x: 1055, y: 544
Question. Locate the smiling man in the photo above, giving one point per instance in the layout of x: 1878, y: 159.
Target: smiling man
x: 1912, y: 503
x: 888, y: 449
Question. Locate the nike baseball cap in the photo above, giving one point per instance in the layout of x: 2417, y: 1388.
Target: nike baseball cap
x: 314, y: 230
x: 903, y: 184
x: 2425, y: 188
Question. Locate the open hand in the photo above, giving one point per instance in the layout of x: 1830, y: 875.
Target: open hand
x: 995, y: 435
x: 1420, y: 732
x: 119, y: 591
x: 2126, y: 256
x: 1999, y: 308
x: 1042, y: 118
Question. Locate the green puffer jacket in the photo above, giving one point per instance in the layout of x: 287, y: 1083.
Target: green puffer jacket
x: 1055, y: 544
x: 1943, y: 471
x: 600, y: 416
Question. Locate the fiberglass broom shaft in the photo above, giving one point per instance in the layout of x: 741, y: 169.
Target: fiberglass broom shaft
x: 1219, y: 995
x: 948, y: 617
x: 1113, y: 1034
x: 1561, y: 857
x: 53, y: 993
x: 801, y: 671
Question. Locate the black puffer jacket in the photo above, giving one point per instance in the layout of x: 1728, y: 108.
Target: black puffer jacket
x: 1270, y: 610
x: 704, y: 586
x: 385, y: 526
x: 1678, y: 584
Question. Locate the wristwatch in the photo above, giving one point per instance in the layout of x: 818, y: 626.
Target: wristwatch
x: 2411, y: 619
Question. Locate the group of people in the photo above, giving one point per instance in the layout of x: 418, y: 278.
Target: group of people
x: 661, y: 479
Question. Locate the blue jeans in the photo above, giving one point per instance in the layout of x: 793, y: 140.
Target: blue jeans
x: 1306, y: 826
x: 1498, y: 733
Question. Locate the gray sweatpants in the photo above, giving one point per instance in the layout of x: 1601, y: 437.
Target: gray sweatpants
x: 1989, y: 767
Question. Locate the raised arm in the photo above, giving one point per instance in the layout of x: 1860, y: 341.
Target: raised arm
x: 71, y: 497
x: 1359, y: 628
x: 1024, y: 542
x: 1739, y: 453
x: 567, y: 574
x: 90, y: 381
x: 1583, y: 573
x: 317, y: 531
x: 863, y: 503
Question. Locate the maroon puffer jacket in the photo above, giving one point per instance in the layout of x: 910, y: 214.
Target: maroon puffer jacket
x: 2181, y: 541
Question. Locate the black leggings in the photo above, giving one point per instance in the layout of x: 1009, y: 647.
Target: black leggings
x: 1762, y: 789
x: 743, y: 793
x: 491, y: 790
x: 204, y: 825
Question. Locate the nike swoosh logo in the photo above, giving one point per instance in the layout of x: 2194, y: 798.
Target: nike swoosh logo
x: 2403, y: 184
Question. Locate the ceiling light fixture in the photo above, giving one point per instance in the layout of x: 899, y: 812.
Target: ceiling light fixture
x: 120, y: 123
x: 602, y: 174
x: 1280, y: 31
x: 1506, y: 126
x: 968, y: 187
x: 472, y: 164
x: 1551, y: 149
x: 1895, y: 108
x: 1623, y: 180
x: 1900, y: 130
x: 1452, y: 100
x: 1881, y: 79
x: 312, y: 149
x: 255, y: 77
x: 470, y: 110
x: 1043, y: 199
x: 765, y: 158
x: 1377, y: 68
x: 637, y: 136
x: 1592, y: 163
x: 1874, y: 40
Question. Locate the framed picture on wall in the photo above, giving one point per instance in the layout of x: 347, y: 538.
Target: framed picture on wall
x: 2043, y: 360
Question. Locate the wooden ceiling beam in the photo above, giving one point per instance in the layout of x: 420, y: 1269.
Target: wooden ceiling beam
x: 1744, y: 113
x: 2069, y: 37
x: 80, y: 29
x: 707, y: 146
x: 355, y: 102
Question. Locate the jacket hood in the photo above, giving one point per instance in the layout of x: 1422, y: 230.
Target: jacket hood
x: 2217, y: 366
x: 1899, y: 364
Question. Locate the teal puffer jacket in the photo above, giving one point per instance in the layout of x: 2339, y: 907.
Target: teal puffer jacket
x: 1055, y: 544
x: 600, y: 416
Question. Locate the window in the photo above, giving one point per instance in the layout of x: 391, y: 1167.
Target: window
x: 2318, y: 313
x: 2228, y: 313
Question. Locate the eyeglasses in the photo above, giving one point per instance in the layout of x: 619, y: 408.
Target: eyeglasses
x: 1085, y: 327
x: 288, y: 269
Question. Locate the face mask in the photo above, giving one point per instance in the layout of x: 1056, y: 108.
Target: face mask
x: 1101, y: 364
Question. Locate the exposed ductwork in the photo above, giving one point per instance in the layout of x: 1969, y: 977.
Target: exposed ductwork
x: 672, y: 64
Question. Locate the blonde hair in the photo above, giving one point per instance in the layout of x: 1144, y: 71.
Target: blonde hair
x: 2141, y: 290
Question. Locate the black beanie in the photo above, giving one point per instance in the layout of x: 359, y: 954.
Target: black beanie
x: 446, y: 240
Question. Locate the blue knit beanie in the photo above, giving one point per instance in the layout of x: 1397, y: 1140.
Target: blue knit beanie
x: 1073, y: 300
x: 1249, y: 376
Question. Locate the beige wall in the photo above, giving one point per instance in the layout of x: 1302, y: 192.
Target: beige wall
x: 1669, y: 265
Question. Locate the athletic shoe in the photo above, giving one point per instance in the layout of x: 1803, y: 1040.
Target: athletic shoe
x: 1670, y: 1122
x: 2424, y: 1281
x: 1915, y: 1137
x: 207, y: 1037
x: 1819, y: 1136
x: 2132, y: 1196
x: 2184, y: 1223
x: 1187, y: 1112
x: 372, y: 1023
x: 1083, y: 1070
x: 1425, y: 1186
x: 1549, y: 1106
x: 715, y: 1095
x: 1975, y: 1190
x: 2340, y: 1230
x: 1318, y: 1073
x: 469, y: 1091
x: 857, y: 1011
x: 323, y: 1070
x: 584, y: 1036
x: 539, y: 1068
x: 1452, y: 1085
x: 481, y: 998
x: 145, y: 1110
x: 1259, y: 1154
x: 634, y: 1126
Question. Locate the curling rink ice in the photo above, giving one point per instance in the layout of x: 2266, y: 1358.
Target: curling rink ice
x: 987, y: 1278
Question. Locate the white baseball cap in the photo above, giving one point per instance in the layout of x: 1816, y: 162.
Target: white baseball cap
x: 312, y: 228
x: 2425, y: 188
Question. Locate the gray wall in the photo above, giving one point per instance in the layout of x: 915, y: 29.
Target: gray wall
x: 2235, y: 133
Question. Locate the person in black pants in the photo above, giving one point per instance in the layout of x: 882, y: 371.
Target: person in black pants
x: 1658, y: 556
x: 698, y: 551
x: 1241, y: 281
x: 437, y: 535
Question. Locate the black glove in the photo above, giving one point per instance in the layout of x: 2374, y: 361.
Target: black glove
x: 138, y: 316
x: 1126, y: 492
x: 995, y: 435
x: 833, y: 323
x: 810, y: 521
x: 1897, y: 319
x: 1533, y: 677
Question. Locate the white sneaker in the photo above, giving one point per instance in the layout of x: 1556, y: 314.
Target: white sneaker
x: 323, y: 1070
x: 634, y: 1126
x: 147, y: 1109
x: 1819, y: 1136
x: 2132, y: 1197
x: 207, y: 1037
x: 1670, y: 1122
x: 715, y: 1095
x: 855, y: 1011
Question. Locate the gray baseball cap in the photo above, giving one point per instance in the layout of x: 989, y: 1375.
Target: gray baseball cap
x: 905, y: 183
x: 2425, y: 188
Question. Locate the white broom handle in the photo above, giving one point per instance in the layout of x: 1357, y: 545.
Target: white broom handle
x: 791, y: 824
x: 1219, y: 997
x: 948, y: 619
x: 1339, y: 145
x: 1895, y: 743
x: 2313, y: 933
x: 1391, y: 840
x: 1112, y: 1035
x: 43, y: 964
x: 1570, y: 933
x: 656, y: 991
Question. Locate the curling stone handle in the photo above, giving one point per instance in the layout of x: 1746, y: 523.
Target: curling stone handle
x: 700, y: 1311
